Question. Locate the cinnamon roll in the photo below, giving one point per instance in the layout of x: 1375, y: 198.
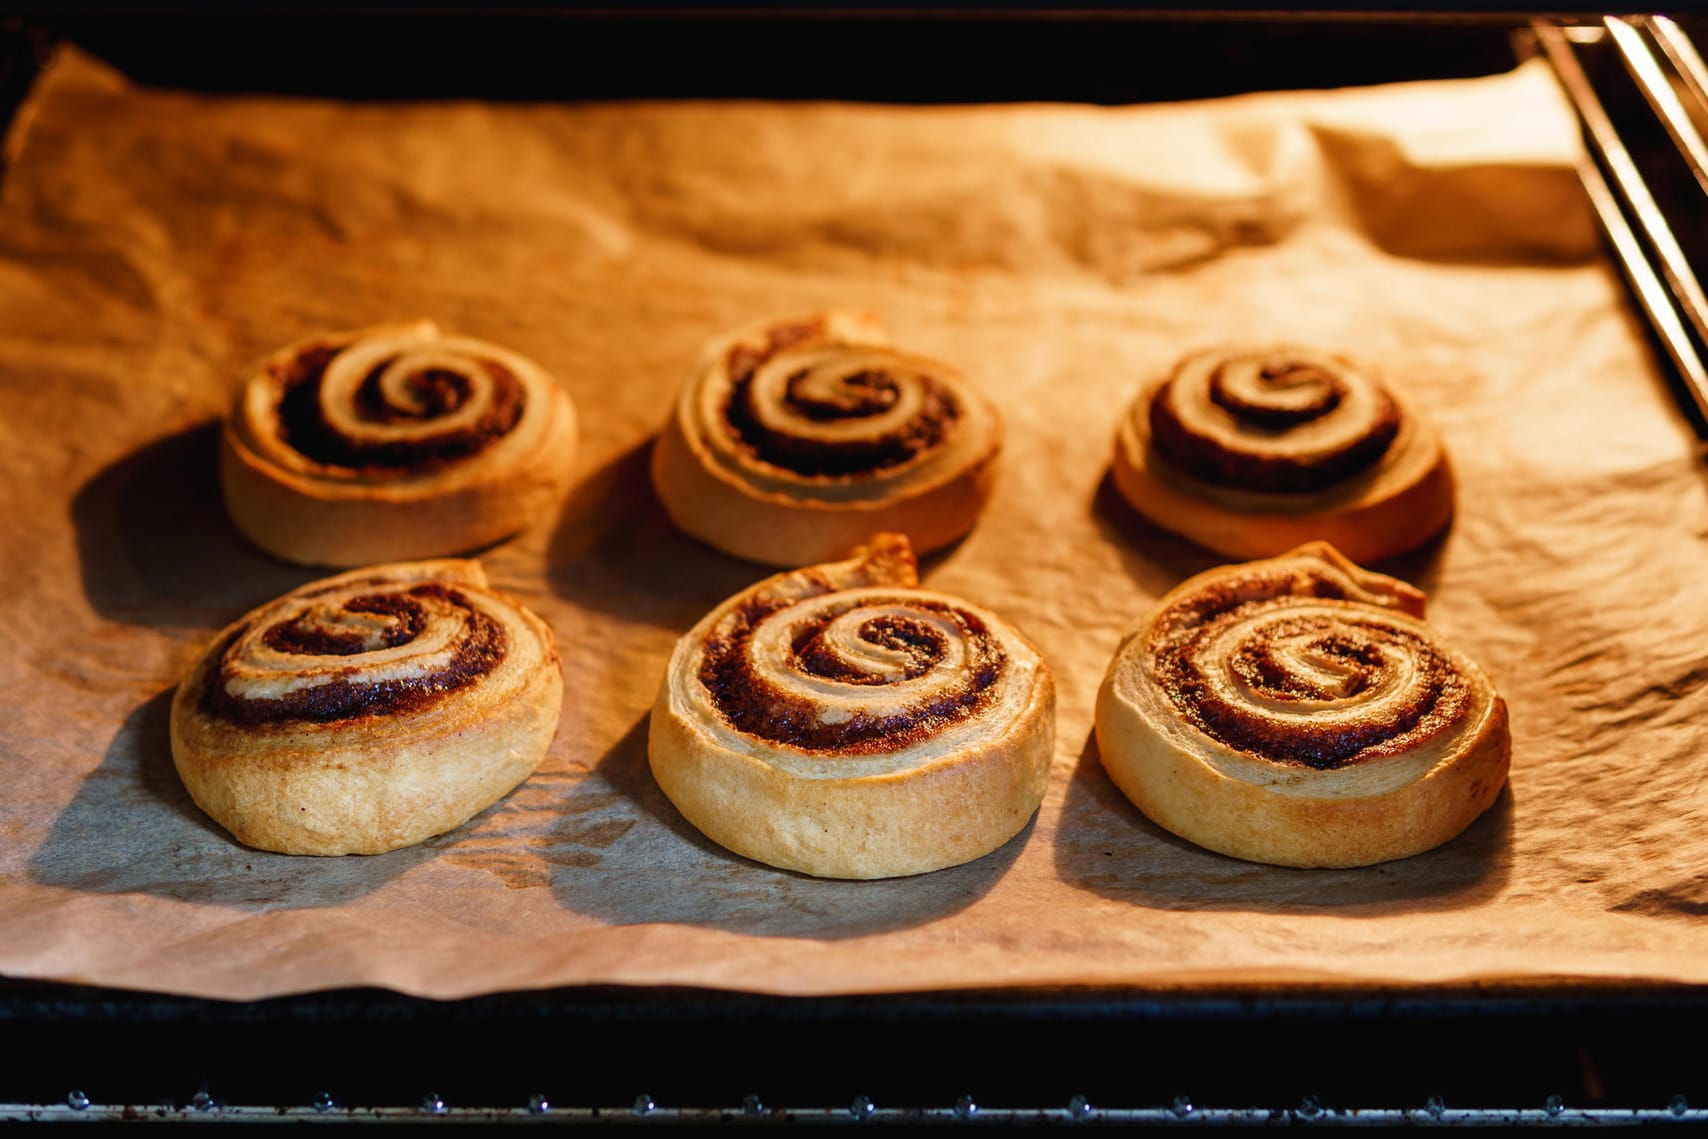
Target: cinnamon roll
x: 391, y: 443
x: 1298, y: 711
x: 840, y: 721
x: 798, y: 438
x: 1251, y: 451
x: 367, y: 711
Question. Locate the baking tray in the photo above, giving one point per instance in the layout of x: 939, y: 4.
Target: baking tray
x: 1599, y: 1055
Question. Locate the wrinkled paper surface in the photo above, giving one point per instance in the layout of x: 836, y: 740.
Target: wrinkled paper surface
x: 153, y: 243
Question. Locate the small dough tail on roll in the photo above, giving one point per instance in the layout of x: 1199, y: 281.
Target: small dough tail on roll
x: 841, y: 721
x: 1299, y: 711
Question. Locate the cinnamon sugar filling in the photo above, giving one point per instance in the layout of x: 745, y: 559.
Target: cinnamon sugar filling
x: 480, y: 650
x: 1305, y: 715
x: 1289, y: 395
x: 863, y: 392
x: 438, y: 391
x: 755, y: 706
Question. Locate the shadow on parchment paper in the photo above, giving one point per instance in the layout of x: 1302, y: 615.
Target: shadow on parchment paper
x: 1118, y: 853
x: 1159, y: 560
x: 616, y: 550
x: 154, y: 543
x: 661, y: 869
x: 1153, y: 557
x: 169, y: 849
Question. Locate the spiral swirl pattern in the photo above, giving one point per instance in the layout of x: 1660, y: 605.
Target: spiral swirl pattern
x: 372, y: 646
x: 367, y: 711
x: 841, y: 411
x: 1253, y: 451
x: 817, y: 427
x: 852, y: 674
x: 398, y: 402
x: 1283, y: 419
x: 393, y: 442
x: 394, y: 402
x: 822, y: 408
x: 1314, y: 679
x: 1299, y: 711
x: 831, y: 720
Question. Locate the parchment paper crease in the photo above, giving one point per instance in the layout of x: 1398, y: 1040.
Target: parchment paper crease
x: 152, y: 243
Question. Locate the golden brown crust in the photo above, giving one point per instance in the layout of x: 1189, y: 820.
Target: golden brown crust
x: 367, y: 711
x: 1228, y: 477
x: 841, y: 722
x: 799, y: 437
x: 392, y: 443
x: 1298, y: 711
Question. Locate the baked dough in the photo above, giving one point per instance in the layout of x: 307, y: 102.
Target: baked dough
x: 1250, y: 451
x: 839, y: 721
x: 798, y: 438
x: 1298, y: 711
x: 367, y: 711
x: 391, y: 443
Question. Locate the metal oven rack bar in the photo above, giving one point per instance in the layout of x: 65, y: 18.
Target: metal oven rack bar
x: 1529, y: 1057
x: 1638, y: 84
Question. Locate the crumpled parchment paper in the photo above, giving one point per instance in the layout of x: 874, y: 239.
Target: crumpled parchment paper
x: 152, y: 243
